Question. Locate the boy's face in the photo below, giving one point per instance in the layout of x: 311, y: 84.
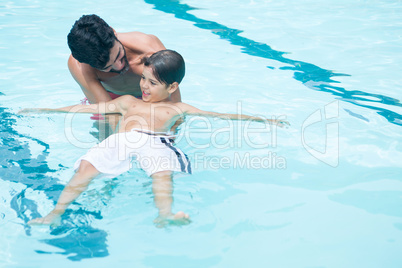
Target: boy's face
x: 152, y: 89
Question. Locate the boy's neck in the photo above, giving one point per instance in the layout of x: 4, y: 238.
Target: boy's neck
x: 167, y: 100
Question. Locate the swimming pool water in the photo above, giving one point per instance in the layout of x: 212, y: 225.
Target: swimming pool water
x: 327, y: 192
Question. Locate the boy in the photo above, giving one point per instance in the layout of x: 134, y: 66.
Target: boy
x: 143, y: 134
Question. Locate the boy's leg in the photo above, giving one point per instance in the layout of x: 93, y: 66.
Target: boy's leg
x: 78, y: 184
x: 106, y: 127
x: 163, y: 189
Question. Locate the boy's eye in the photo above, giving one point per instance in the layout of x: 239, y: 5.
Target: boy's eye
x: 153, y: 83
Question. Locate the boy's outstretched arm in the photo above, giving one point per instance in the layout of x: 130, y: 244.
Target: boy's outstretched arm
x: 191, y: 110
x: 116, y: 106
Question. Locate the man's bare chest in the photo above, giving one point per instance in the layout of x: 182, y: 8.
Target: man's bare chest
x: 124, y: 83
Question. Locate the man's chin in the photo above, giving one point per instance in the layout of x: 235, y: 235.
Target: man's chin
x: 114, y: 71
x: 119, y: 71
x: 122, y: 70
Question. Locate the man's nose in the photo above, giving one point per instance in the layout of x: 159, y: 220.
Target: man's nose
x: 118, y: 65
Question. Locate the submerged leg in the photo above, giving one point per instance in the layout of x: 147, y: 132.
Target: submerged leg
x: 163, y: 189
x: 78, y: 184
x: 106, y: 127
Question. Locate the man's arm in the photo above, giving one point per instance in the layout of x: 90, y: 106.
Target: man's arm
x: 86, y: 78
x: 176, y: 96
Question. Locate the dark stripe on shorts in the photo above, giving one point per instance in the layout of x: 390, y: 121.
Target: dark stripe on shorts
x: 188, y: 164
x: 182, y: 165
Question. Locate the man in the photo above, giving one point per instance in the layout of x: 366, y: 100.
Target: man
x: 107, y: 64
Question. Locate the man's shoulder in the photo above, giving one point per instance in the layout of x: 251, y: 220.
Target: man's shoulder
x: 131, y: 38
x: 140, y: 41
x: 134, y: 34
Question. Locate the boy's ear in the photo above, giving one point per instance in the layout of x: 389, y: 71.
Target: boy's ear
x: 173, y: 87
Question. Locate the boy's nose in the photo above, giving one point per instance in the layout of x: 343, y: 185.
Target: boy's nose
x: 143, y: 84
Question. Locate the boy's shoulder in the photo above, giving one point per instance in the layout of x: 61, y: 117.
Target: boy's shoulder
x: 181, y: 105
x: 185, y: 107
x: 126, y: 101
x: 128, y: 98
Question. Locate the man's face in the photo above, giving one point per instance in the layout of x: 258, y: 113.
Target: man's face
x: 117, y: 59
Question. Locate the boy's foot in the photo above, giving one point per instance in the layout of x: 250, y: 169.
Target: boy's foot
x: 50, y: 219
x: 180, y: 218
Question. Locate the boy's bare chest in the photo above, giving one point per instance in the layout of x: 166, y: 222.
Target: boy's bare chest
x: 158, y: 115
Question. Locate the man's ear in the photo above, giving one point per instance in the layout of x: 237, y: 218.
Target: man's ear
x: 173, y: 87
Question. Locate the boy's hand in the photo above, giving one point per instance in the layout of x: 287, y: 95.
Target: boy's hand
x: 27, y: 111
x: 281, y: 123
x: 36, y: 110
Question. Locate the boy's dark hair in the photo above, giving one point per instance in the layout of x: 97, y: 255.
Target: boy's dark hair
x: 168, y: 66
x: 90, y: 41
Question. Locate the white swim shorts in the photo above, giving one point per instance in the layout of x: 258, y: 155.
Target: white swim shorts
x: 122, y: 151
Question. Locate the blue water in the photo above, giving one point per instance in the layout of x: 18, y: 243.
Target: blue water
x: 328, y: 194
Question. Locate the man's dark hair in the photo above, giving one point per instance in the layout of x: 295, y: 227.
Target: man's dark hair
x: 90, y: 41
x: 168, y: 66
